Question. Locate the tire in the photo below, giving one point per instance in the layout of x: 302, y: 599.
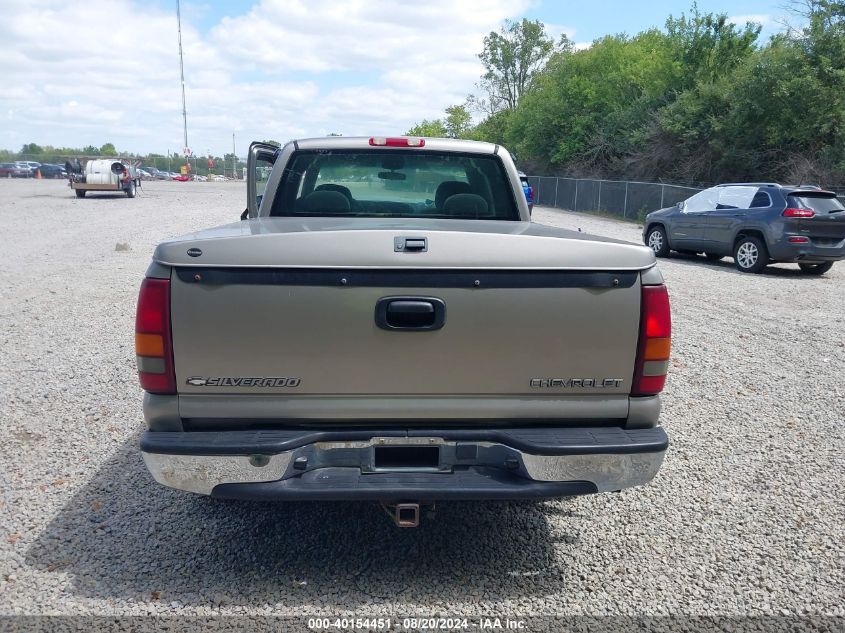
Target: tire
x: 130, y: 190
x: 815, y: 269
x: 715, y: 257
x: 657, y: 241
x: 750, y: 255
x: 80, y: 193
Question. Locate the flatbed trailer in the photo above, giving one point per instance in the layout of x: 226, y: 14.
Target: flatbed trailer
x: 129, y: 187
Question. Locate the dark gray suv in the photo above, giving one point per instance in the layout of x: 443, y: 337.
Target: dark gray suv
x: 756, y: 224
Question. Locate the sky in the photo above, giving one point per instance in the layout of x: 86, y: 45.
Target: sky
x: 80, y: 73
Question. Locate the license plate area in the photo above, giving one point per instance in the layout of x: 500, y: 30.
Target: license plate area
x: 418, y: 458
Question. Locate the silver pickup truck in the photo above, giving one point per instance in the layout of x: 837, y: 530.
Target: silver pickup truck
x: 386, y: 323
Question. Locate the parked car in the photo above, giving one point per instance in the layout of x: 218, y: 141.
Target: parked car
x: 31, y: 165
x: 756, y: 224
x: 528, y: 190
x: 52, y: 171
x: 13, y: 170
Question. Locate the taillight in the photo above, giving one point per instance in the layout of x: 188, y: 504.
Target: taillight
x: 397, y: 141
x: 655, y: 342
x: 799, y: 240
x: 798, y: 213
x: 153, y: 346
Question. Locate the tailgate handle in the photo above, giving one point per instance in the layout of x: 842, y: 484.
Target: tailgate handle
x: 410, y: 313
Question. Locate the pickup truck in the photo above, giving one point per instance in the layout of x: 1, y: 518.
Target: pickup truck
x: 386, y: 323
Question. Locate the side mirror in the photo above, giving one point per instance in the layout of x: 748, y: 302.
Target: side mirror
x: 681, y: 205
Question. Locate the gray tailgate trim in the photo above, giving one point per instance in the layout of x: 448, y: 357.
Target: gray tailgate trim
x: 231, y: 408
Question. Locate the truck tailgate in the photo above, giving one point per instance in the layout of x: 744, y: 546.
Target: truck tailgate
x: 324, y: 338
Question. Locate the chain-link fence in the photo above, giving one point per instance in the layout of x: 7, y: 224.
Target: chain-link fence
x: 621, y: 198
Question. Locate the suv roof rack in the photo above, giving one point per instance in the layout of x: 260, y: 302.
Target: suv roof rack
x: 749, y: 184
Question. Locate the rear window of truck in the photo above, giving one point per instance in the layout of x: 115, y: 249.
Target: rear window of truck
x: 396, y: 183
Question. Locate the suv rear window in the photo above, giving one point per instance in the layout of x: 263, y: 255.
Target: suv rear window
x: 415, y: 184
x: 819, y: 204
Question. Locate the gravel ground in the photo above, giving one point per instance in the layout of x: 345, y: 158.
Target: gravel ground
x: 745, y: 518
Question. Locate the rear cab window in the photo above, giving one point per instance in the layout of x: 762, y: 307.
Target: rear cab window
x: 395, y: 183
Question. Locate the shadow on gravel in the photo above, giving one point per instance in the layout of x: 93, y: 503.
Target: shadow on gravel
x: 125, y: 537
x: 111, y: 195
x: 727, y: 265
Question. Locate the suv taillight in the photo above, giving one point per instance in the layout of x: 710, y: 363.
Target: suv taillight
x: 655, y: 342
x: 798, y: 213
x: 153, y: 345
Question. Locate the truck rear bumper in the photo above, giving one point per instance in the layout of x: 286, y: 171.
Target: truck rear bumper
x: 406, y: 464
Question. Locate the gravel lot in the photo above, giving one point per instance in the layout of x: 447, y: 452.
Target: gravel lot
x: 746, y: 516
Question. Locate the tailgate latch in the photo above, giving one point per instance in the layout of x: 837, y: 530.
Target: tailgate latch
x: 410, y: 244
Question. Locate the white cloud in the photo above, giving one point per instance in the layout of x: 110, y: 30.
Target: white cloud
x: 83, y: 73
x: 759, y: 18
x: 556, y: 30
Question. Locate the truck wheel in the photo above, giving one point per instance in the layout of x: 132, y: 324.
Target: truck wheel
x: 815, y: 269
x: 130, y: 190
x: 656, y: 240
x: 80, y: 193
x: 750, y: 255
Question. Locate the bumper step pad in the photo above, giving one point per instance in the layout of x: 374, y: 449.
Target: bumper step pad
x: 340, y: 484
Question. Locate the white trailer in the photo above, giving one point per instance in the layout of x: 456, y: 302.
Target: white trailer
x: 103, y: 175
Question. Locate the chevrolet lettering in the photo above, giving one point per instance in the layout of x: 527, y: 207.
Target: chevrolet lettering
x: 572, y: 383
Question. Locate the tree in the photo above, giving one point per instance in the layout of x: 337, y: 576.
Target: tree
x: 458, y: 121
x: 493, y: 129
x: 108, y: 150
x: 272, y: 142
x: 511, y: 60
x: 708, y: 46
x: 90, y: 150
x: 32, y: 149
x: 434, y: 128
